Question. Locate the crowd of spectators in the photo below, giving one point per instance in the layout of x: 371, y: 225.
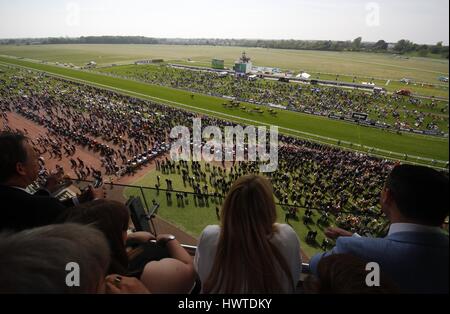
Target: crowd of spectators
x: 390, y: 110
x: 248, y: 252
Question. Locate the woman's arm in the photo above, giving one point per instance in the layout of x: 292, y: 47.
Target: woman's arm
x: 170, y: 275
x: 140, y: 236
x: 174, y: 248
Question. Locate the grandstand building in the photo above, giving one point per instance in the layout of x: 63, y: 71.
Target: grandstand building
x: 243, y: 65
x: 149, y: 61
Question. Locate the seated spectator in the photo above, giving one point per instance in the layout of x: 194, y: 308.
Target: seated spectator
x: 345, y: 274
x: 165, y: 267
x: 34, y: 261
x: 19, y: 167
x: 248, y: 252
x: 415, y: 251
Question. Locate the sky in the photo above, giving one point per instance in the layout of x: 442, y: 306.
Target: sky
x: 422, y: 21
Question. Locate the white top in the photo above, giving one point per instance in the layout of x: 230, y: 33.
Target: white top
x: 285, y: 240
x: 408, y: 227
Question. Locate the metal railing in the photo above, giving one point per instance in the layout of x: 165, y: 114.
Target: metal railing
x: 142, y: 193
x: 191, y: 249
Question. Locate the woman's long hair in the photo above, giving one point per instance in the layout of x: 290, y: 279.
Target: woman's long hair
x: 111, y: 218
x: 246, y: 261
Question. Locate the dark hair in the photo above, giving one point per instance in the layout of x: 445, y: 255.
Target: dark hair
x: 345, y: 274
x: 111, y: 218
x: 12, y: 151
x: 421, y: 193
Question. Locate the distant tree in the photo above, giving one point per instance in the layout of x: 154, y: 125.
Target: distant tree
x: 423, y: 51
x: 356, y: 44
x: 437, y: 49
x: 380, y: 45
x: 444, y: 52
x: 404, y: 45
x: 326, y: 45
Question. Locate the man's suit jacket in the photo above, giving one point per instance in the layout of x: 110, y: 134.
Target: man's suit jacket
x: 416, y: 261
x: 20, y: 210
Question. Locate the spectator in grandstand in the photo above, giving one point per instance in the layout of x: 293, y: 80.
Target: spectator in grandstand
x: 164, y: 267
x: 19, y: 168
x: 345, y: 274
x: 37, y: 260
x: 415, y: 252
x: 249, y: 252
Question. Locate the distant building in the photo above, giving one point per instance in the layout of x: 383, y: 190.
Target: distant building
x: 243, y: 65
x: 149, y: 61
x: 266, y: 70
x: 218, y: 64
x: 390, y: 46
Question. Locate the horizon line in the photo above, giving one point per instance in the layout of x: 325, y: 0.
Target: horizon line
x: 217, y: 38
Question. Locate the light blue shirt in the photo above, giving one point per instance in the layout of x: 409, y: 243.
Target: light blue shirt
x: 415, y: 256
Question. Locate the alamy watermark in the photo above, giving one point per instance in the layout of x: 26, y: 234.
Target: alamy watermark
x: 73, y: 275
x: 373, y: 277
x: 73, y: 11
x: 210, y: 144
x: 373, y: 14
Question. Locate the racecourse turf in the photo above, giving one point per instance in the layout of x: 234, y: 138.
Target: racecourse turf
x: 193, y: 219
x: 303, y: 125
x: 361, y: 64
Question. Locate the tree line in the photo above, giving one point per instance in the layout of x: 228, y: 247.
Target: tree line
x: 403, y: 46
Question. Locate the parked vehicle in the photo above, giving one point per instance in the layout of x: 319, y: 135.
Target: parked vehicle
x: 403, y: 92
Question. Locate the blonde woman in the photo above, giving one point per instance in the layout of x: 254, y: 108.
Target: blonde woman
x: 249, y: 252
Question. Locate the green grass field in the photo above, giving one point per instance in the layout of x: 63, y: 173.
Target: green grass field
x: 193, y: 219
x: 346, y: 63
x: 303, y: 125
x: 164, y: 75
x: 418, y: 88
x: 321, y: 64
x: 433, y: 87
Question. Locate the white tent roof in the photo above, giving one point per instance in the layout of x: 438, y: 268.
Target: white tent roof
x: 304, y: 75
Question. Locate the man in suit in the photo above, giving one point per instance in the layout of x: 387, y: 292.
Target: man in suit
x: 415, y: 253
x: 19, y: 167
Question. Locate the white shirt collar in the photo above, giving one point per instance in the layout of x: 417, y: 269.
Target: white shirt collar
x: 19, y: 188
x: 409, y: 227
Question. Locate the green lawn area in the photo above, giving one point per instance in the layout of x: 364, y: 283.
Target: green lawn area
x: 437, y: 89
x: 302, y: 125
x: 163, y: 76
x: 362, y: 64
x: 193, y: 219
